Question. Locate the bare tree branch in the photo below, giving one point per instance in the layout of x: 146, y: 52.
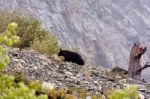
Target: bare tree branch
x: 144, y: 67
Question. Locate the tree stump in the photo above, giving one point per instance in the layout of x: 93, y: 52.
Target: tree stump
x: 135, y: 68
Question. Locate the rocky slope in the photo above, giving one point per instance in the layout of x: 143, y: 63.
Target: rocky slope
x: 94, y: 79
x: 103, y: 30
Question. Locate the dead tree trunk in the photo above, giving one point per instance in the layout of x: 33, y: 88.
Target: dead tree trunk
x: 135, y: 68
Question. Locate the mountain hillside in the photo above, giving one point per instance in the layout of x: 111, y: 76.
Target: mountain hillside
x: 95, y: 80
x: 103, y: 30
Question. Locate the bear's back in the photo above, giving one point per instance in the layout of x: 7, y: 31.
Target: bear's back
x: 71, y: 57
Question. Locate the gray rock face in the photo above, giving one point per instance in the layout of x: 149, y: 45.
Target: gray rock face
x: 103, y: 30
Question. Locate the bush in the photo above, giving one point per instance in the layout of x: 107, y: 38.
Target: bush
x: 48, y: 44
x: 11, y: 90
x: 8, y: 38
x: 129, y: 92
x: 26, y: 26
x: 30, y: 32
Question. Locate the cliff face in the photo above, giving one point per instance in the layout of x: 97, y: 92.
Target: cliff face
x: 103, y: 30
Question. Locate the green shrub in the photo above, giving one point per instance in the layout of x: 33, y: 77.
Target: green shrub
x: 26, y: 26
x: 30, y: 32
x: 48, y: 44
x: 11, y: 90
x: 129, y: 92
x: 7, y: 38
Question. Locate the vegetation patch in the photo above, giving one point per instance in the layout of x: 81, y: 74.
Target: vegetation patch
x: 30, y: 32
x: 130, y: 92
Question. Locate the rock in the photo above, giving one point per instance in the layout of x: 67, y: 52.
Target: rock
x: 47, y: 86
x: 122, y: 81
x: 88, y: 97
x: 118, y: 77
x: 57, y: 58
x: 103, y: 97
x: 43, y: 57
x: 69, y: 74
x: 119, y: 70
x: 95, y: 82
x: 86, y: 82
x: 59, y: 84
x: 142, y: 88
x: 141, y: 96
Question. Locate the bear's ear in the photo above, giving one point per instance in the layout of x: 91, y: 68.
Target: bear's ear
x: 60, y: 49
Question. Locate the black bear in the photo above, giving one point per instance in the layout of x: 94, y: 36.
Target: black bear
x: 71, y: 57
